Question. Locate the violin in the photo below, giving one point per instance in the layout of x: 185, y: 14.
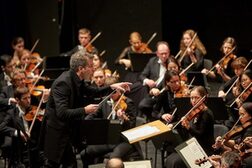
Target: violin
x: 144, y: 49
x: 90, y: 48
x: 193, y: 112
x: 226, y: 60
x: 123, y: 106
x: 182, y: 92
x: 30, y: 115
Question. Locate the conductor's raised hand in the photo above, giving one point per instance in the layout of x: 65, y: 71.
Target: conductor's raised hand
x: 122, y: 86
x: 91, y: 108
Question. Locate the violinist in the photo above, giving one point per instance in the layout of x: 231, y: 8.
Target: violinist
x: 125, y: 111
x: 16, y: 126
x: 136, y: 46
x: 193, y: 51
x: 239, y: 133
x: 165, y: 100
x: 200, y: 125
x: 6, y: 70
x: 18, y: 45
x: 84, y: 37
x: 153, y: 76
x: 245, y: 82
x: 98, y: 62
x: 223, y: 70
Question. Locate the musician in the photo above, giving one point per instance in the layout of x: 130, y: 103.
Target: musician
x: 114, y: 163
x: 65, y: 106
x: 7, y: 66
x: 224, y: 71
x: 227, y: 159
x: 245, y: 81
x: 18, y: 46
x: 240, y: 132
x: 192, y: 53
x: 98, y: 63
x: 136, y: 46
x: 125, y: 112
x: 238, y: 66
x: 16, y: 126
x: 153, y: 75
x: 165, y: 102
x: 84, y: 38
x: 200, y: 127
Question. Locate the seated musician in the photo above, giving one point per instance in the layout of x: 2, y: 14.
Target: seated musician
x: 18, y: 45
x: 173, y: 88
x: 198, y: 125
x: 243, y: 91
x: 99, y: 63
x: 16, y: 126
x: 126, y: 113
x: 84, y: 37
x: 153, y: 75
x: 193, y: 51
x: 7, y: 66
x: 227, y: 91
x: 136, y: 46
x: 223, y: 71
x: 238, y: 134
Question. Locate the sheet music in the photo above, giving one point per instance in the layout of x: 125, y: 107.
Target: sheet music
x: 140, y: 132
x: 192, y: 152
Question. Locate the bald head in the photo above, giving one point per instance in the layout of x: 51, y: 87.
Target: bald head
x: 115, y: 163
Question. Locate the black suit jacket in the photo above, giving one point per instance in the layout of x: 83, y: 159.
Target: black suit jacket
x: 151, y: 70
x: 65, y: 105
x: 5, y: 94
x: 12, y: 122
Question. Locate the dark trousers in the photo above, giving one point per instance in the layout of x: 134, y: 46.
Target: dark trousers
x: 67, y: 161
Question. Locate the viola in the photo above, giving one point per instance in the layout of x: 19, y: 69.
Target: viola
x: 30, y: 115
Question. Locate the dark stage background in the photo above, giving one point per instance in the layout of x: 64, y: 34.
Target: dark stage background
x: 56, y: 23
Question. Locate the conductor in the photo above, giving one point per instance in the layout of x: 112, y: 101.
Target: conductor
x: 65, y: 106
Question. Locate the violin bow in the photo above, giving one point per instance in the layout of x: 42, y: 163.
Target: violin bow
x: 178, y: 54
x: 238, y: 78
x: 221, y: 60
x: 151, y: 38
x: 183, y: 55
x: 36, y: 113
x: 96, y: 36
x: 117, y: 103
x: 173, y: 113
x: 102, y: 53
x: 238, y: 97
x: 37, y: 79
x: 188, y: 67
x: 35, y: 44
x: 37, y: 65
x: 106, y: 98
x: 194, y: 107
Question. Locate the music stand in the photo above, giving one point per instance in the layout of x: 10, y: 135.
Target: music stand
x: 199, y: 79
x: 56, y: 62
x: 216, y: 104
x: 139, y: 60
x: 190, y: 151
x: 100, y: 131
